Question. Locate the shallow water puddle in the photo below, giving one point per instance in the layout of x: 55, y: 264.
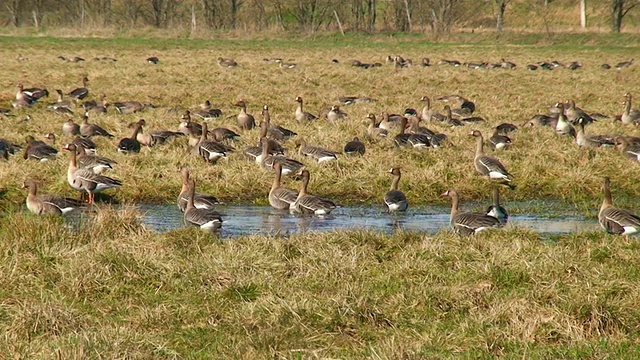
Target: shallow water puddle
x: 264, y: 220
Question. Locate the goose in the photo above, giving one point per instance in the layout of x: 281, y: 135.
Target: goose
x: 81, y: 92
x: 335, y: 114
x: 22, y: 100
x: 496, y: 210
x: 574, y: 113
x: 131, y: 144
x: 506, y: 128
x: 498, y: 141
x: 507, y: 64
x: 289, y: 166
x: 210, y: 150
x: 45, y: 204
x: 221, y: 134
x: 389, y: 122
x: 275, y: 132
x: 154, y: 137
x: 245, y: 121
x: 615, y: 220
x: 448, y: 118
x: 129, y: 107
x: 605, y: 66
x: 254, y: 152
x: 488, y: 165
x: 316, y: 152
x: 70, y: 128
x: 229, y: 63
x: 153, y: 60
x: 300, y: 114
x: 7, y: 148
x: 467, y: 107
x: 310, y: 204
x: 205, y: 219
x: 200, y: 201
x: 629, y: 150
x: 415, y: 128
x: 426, y: 62
x: 413, y: 140
x: 563, y: 127
x: 629, y: 116
x: 373, y: 130
x: 354, y: 147
x: 624, y: 64
x: 279, y: 197
x: 38, y: 150
x: 85, y: 143
x: 96, y: 107
x: 188, y: 127
x: 426, y: 114
x: 468, y: 223
x: 394, y: 199
x: 574, y: 65
x: 350, y: 100
x: 93, y: 162
x: 89, y: 130
x: 206, y: 112
x: 36, y: 93
x: 85, y: 179
x: 591, y: 141
x: 287, y: 65
x: 61, y: 104
x: 543, y: 120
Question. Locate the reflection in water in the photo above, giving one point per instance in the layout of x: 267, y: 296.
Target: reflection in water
x: 264, y: 220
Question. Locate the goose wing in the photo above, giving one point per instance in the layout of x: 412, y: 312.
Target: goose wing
x: 287, y: 195
x: 618, y: 221
x: 468, y: 223
x: 202, y: 217
x: 487, y: 164
x: 310, y: 204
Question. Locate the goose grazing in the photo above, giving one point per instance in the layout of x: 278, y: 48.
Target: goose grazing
x: 498, y: 141
x: 96, y: 107
x: 61, y: 104
x: 488, y: 165
x: 200, y: 201
x: 506, y: 128
x: 624, y: 64
x: 85, y: 179
x: 310, y: 204
x: 129, y: 107
x: 228, y: 63
x: 543, y: 120
x: 629, y: 116
x: 81, y: 92
x: 275, y: 132
x: 354, y: 147
x: 394, y: 199
x: 245, y: 121
x: 45, y: 204
x: 206, y: 112
x: 591, y: 141
x: 629, y: 150
x: 300, y: 114
x: 316, y: 152
x: 496, y: 210
x: 563, y: 127
x: 205, y: 219
x: 70, y: 128
x: 373, y: 130
x: 89, y: 130
x: 279, y: 197
x: 38, y: 150
x: 131, y: 144
x: 210, y: 150
x: 468, y: 223
x: 615, y: 220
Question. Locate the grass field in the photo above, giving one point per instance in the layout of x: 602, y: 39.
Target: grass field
x: 118, y: 290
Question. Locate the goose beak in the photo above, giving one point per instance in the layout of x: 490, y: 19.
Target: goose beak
x: 446, y: 193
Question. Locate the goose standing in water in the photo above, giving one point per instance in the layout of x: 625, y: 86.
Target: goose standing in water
x: 615, y: 220
x: 200, y: 201
x: 310, y: 204
x: 496, y: 210
x: 45, y: 204
x: 468, y: 223
x: 394, y: 199
x: 205, y: 219
x: 279, y: 197
x: 487, y: 165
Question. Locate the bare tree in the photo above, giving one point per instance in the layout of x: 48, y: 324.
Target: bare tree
x: 583, y: 14
x: 443, y: 15
x: 501, y: 6
x: 618, y: 12
x: 234, y: 8
x: 14, y: 11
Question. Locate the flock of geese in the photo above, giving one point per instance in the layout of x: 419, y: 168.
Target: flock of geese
x: 86, y: 169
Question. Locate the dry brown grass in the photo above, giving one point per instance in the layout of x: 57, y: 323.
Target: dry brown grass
x: 543, y: 164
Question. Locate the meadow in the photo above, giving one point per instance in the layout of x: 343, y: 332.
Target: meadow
x: 116, y: 289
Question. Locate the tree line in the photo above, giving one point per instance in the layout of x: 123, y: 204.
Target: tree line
x: 439, y: 16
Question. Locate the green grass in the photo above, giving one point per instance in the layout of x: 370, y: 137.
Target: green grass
x: 116, y: 289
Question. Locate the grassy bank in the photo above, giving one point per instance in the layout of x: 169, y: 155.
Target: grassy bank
x: 544, y: 165
x: 119, y: 290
